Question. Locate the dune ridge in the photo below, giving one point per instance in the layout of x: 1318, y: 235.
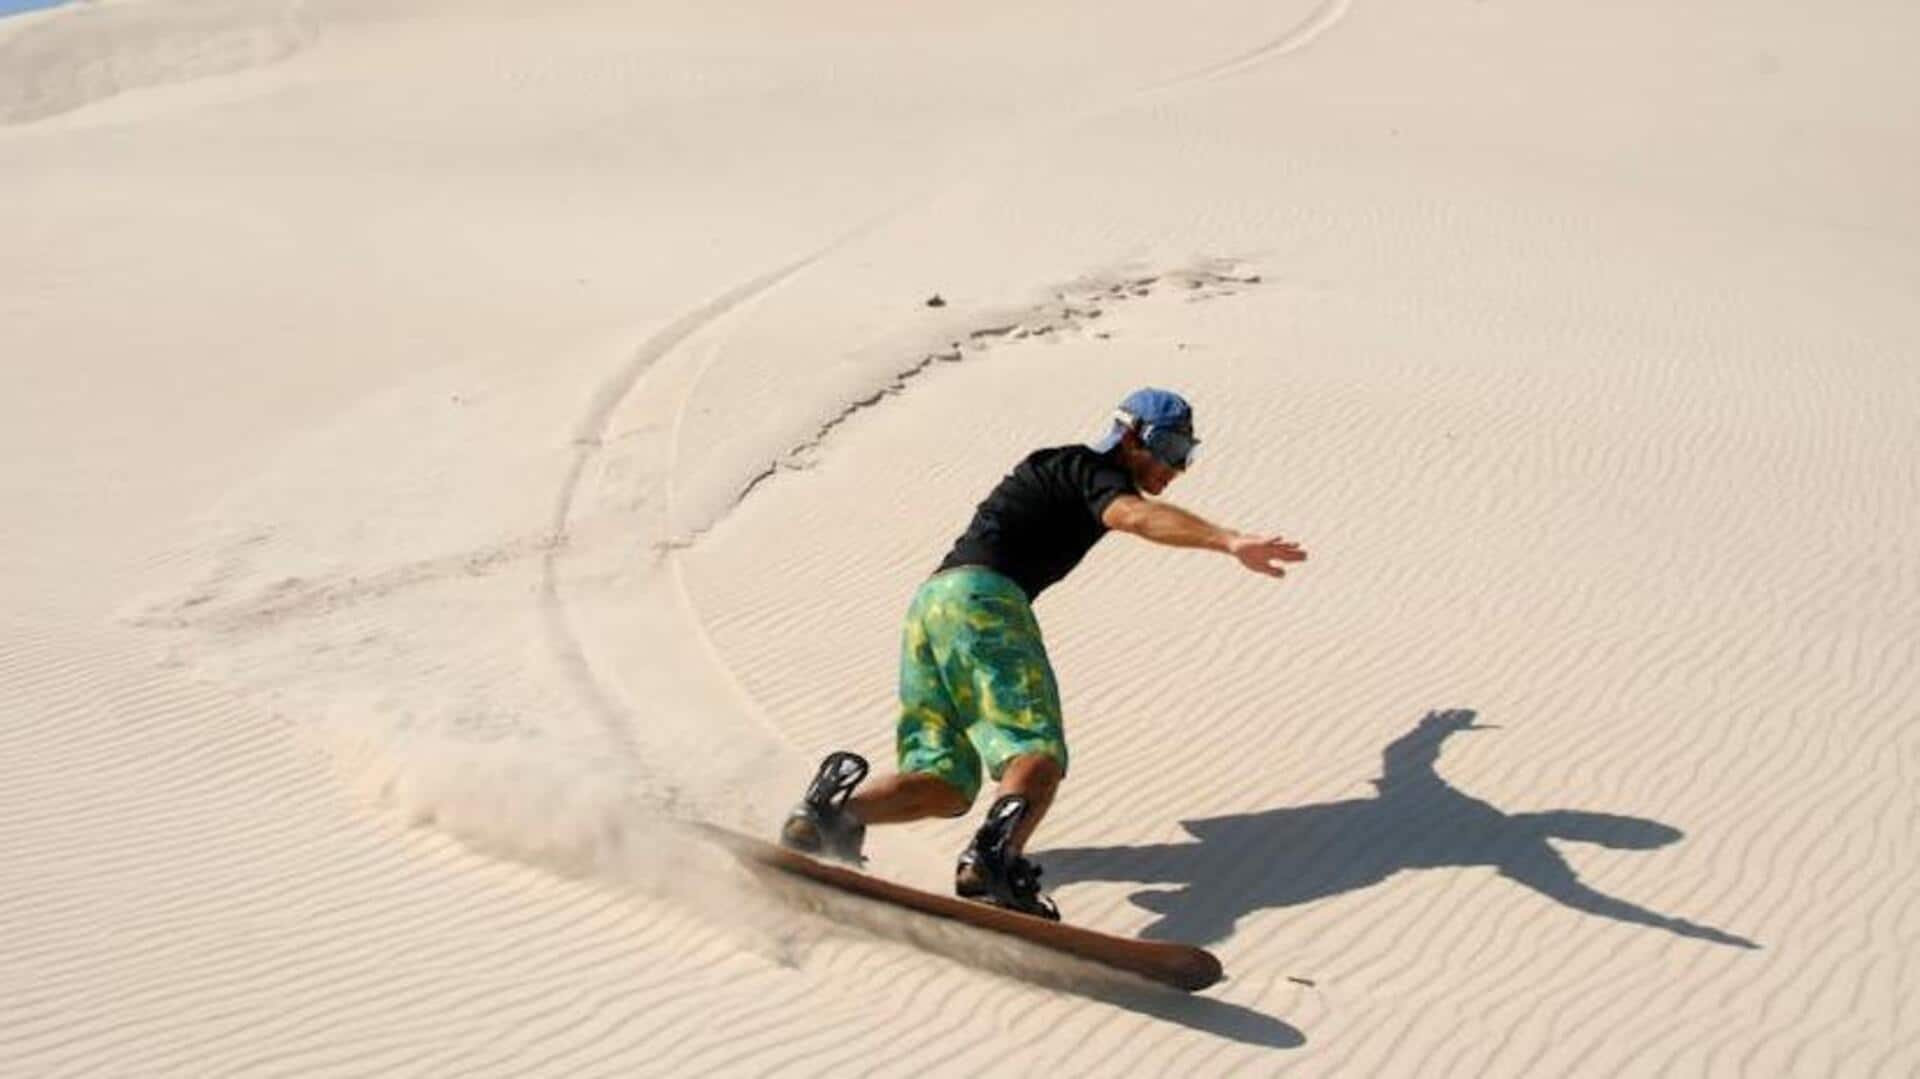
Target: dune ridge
x: 455, y: 443
x: 100, y: 50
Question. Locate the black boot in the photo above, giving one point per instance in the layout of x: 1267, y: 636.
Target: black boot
x: 989, y: 872
x: 821, y: 824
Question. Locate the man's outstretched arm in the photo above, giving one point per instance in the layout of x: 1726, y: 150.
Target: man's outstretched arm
x: 1163, y: 522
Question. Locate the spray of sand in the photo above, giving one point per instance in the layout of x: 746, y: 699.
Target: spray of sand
x: 587, y: 815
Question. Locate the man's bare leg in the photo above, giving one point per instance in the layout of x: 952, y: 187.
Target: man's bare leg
x: 1036, y: 777
x: 905, y: 796
x: 908, y: 796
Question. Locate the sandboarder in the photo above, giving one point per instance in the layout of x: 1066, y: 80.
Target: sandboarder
x: 977, y: 693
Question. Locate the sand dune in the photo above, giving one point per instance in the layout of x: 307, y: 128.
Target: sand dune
x: 450, y: 444
x: 97, y: 51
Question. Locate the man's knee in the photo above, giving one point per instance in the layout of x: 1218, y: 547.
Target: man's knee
x: 1034, y: 770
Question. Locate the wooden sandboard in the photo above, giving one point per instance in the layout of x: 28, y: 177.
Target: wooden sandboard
x: 1180, y: 965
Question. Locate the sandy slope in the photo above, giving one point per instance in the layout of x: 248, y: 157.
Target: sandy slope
x: 528, y: 427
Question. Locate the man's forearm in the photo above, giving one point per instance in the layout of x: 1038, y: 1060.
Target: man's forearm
x: 1163, y: 522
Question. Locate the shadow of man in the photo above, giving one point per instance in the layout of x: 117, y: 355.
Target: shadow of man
x: 1286, y: 857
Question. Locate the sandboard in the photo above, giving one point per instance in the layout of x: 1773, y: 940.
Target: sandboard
x: 1179, y: 965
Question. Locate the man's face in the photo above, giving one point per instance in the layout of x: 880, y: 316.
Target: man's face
x: 1148, y: 472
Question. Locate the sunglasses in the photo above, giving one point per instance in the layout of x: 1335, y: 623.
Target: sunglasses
x: 1171, y: 446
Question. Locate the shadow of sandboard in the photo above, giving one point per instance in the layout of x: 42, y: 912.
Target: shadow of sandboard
x: 1179, y: 965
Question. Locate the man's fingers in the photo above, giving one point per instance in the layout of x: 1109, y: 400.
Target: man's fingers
x: 1286, y: 551
x: 1265, y: 556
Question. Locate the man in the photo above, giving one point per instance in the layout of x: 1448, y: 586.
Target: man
x: 976, y: 690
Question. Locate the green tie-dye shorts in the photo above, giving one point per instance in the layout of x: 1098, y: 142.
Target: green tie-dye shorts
x: 975, y: 684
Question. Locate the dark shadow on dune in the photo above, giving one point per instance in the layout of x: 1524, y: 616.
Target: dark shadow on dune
x: 1215, y: 1017
x: 1286, y: 857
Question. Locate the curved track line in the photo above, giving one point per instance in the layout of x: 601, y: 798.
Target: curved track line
x: 590, y: 437
x: 587, y: 441
x: 1308, y: 30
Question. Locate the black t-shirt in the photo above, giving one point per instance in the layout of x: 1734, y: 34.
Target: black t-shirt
x: 1044, y: 516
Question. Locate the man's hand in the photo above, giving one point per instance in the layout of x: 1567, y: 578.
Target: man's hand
x: 1263, y: 554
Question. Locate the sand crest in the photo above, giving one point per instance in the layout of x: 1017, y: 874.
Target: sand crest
x: 448, y: 443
